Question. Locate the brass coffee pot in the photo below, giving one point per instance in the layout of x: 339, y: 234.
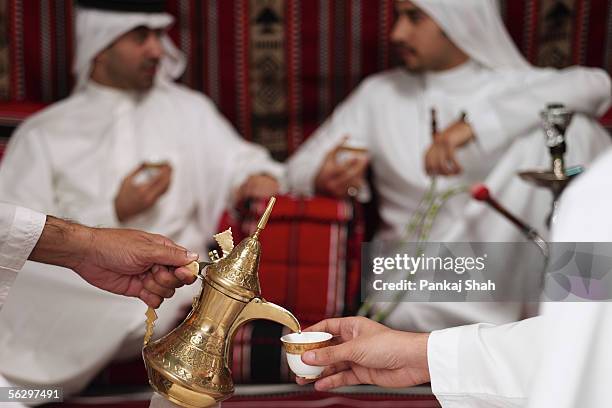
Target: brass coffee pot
x: 190, y: 365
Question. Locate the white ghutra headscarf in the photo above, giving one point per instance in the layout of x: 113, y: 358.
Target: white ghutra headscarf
x: 97, y: 29
x: 477, y: 28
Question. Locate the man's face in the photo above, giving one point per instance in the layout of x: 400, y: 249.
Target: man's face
x: 419, y: 41
x: 131, y: 62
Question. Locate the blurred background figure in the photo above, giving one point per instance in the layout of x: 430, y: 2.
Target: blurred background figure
x: 464, y: 106
x: 131, y: 149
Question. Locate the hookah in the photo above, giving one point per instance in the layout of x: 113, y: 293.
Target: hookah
x: 555, y: 122
x: 556, y: 119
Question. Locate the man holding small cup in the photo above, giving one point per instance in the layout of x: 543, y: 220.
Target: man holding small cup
x: 558, y: 359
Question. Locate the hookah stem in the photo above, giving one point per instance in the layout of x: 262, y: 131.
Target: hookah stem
x: 434, y: 132
x: 432, y: 189
x: 417, y: 219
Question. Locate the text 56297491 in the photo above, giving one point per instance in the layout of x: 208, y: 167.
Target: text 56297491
x: 31, y: 395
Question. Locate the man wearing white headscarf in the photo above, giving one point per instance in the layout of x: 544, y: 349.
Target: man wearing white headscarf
x: 458, y: 58
x: 82, y: 159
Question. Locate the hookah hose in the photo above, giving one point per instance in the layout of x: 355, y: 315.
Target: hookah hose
x: 418, y: 231
x: 480, y: 192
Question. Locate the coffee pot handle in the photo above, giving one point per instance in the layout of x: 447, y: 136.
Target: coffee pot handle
x: 259, y: 308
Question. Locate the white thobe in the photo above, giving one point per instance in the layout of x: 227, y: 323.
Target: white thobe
x: 69, y: 161
x: 389, y: 113
x: 559, y: 359
x: 20, y: 229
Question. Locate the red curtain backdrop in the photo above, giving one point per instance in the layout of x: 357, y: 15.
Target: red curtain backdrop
x: 276, y: 69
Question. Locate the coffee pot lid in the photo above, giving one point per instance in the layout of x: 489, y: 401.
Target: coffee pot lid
x: 237, y: 273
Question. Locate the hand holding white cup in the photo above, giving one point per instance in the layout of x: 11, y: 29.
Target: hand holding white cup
x: 350, y: 150
x: 297, y: 344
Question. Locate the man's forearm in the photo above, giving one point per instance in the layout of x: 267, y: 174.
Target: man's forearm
x: 62, y: 243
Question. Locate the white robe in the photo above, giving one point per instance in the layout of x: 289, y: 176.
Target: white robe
x: 69, y: 161
x: 560, y: 359
x: 389, y: 114
x: 20, y: 229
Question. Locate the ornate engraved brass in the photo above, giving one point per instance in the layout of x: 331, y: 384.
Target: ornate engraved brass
x: 190, y: 365
x: 555, y: 122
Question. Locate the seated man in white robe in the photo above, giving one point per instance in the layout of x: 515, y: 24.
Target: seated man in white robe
x: 457, y: 59
x: 131, y: 149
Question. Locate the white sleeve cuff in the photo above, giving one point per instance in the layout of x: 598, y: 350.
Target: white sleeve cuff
x: 443, y: 360
x: 24, y: 234
x: 445, y: 372
x: 473, y: 366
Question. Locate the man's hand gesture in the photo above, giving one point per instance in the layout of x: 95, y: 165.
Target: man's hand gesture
x: 368, y: 353
x: 441, y: 159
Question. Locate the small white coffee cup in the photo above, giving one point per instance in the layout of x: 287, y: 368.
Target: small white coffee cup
x: 351, y: 151
x: 297, y: 344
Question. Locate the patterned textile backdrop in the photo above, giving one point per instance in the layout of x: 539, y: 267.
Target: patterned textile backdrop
x: 276, y: 68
